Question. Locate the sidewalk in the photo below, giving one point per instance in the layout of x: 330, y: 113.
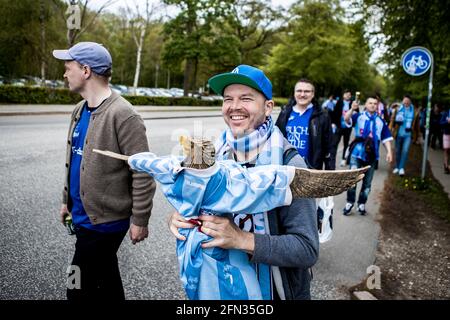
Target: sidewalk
x: 41, y: 109
x: 436, y: 160
x: 147, y: 112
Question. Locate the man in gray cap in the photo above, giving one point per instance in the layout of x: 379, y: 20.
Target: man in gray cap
x: 103, y: 197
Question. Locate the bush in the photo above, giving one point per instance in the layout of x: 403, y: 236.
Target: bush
x: 279, y: 102
x: 169, y: 101
x: 38, y: 95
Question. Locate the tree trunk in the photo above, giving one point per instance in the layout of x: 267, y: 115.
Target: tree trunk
x: 168, y: 79
x: 138, y: 59
x: 43, y: 47
x: 194, y: 78
x: 187, y: 75
x: 156, y: 75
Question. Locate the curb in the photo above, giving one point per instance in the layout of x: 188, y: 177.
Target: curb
x: 362, y: 295
x: 43, y: 113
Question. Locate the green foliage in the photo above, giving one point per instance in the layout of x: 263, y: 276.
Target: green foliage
x: 21, y: 50
x: 279, y: 102
x: 206, y: 37
x: 404, y: 24
x: 318, y: 45
x: 430, y: 191
x: 36, y: 95
x: 165, y: 101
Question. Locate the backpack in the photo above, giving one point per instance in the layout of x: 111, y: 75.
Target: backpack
x: 369, y: 148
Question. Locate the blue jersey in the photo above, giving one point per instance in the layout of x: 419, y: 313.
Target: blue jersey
x: 297, y: 130
x: 345, y: 107
x: 367, y: 125
x: 405, y: 116
x: 79, y: 215
x: 224, y: 188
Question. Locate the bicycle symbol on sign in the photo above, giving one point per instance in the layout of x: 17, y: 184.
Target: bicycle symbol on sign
x: 416, y: 62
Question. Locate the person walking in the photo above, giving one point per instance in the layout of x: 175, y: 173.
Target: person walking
x: 445, y: 124
x: 339, y: 127
x: 404, y: 118
x: 370, y: 131
x: 103, y: 197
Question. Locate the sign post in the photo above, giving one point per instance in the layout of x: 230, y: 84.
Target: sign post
x: 416, y: 61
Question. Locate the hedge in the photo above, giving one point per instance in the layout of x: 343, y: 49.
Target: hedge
x: 39, y: 95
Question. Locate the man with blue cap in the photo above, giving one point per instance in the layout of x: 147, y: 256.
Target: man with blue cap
x: 281, y: 245
x: 103, y: 197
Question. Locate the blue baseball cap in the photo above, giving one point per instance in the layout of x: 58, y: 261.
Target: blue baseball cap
x: 91, y: 54
x: 243, y: 74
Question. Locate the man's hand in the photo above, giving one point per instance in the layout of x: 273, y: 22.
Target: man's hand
x: 389, y: 157
x: 138, y: 234
x: 388, y: 147
x: 177, y: 221
x: 226, y: 234
x: 355, y: 106
x: 63, y: 212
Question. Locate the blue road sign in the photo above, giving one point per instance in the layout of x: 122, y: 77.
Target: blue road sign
x: 416, y: 61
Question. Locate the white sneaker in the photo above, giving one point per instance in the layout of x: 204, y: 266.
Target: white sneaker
x: 395, y: 171
x: 401, y: 172
x: 343, y: 163
x: 348, y: 209
x: 362, y: 209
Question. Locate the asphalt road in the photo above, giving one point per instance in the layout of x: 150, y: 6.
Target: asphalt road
x: 36, y: 251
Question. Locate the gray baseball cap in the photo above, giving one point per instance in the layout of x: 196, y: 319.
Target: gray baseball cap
x: 91, y: 54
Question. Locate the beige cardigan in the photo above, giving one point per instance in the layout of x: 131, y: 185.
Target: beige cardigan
x: 109, y: 190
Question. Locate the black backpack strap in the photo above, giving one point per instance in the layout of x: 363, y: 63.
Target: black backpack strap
x: 288, y: 155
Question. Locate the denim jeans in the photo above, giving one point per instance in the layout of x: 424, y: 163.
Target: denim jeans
x: 401, y: 150
x: 366, y: 182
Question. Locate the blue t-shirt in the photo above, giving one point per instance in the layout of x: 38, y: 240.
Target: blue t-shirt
x: 79, y: 216
x: 297, y: 130
x: 329, y: 104
x: 380, y: 133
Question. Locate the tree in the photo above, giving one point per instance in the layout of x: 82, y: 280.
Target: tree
x: 28, y: 33
x: 404, y: 24
x: 86, y: 17
x: 139, y: 25
x: 317, y: 44
x: 254, y: 23
x: 189, y: 35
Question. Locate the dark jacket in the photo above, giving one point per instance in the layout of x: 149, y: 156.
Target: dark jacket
x: 320, y: 136
x: 336, y: 114
x: 293, y: 244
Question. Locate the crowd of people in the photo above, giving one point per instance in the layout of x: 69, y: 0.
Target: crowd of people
x: 106, y: 199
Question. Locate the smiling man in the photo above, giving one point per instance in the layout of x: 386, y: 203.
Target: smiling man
x: 281, y: 245
x: 308, y: 127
